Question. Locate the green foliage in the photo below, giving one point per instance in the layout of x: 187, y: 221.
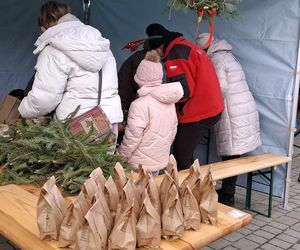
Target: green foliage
x: 223, y: 7
x: 33, y: 150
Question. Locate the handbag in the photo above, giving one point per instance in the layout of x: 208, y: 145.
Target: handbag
x: 94, y: 121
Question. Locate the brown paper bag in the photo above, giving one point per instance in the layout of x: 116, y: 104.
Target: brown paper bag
x: 128, y: 197
x: 90, y: 188
x: 172, y: 216
x: 148, y: 228
x: 165, y: 187
x: 209, y: 200
x: 194, y: 173
x: 191, y: 212
x: 141, y: 180
x: 51, y: 209
x: 153, y: 192
x: 99, y: 178
x: 119, y: 177
x: 93, y: 234
x: 111, y: 194
x: 9, y: 112
x: 108, y: 219
x: 172, y: 169
x: 73, y: 221
x: 123, y: 235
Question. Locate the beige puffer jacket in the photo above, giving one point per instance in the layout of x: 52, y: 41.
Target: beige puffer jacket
x: 151, y: 126
x: 237, y: 132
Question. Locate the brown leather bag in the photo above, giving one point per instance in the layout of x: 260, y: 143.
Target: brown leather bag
x: 94, y: 119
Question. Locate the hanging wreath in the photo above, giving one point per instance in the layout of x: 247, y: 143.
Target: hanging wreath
x: 207, y: 9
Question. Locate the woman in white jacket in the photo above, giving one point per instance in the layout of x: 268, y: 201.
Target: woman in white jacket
x: 70, y: 55
x: 238, y: 130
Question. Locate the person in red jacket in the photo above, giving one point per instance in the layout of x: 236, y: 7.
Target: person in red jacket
x: 202, y: 102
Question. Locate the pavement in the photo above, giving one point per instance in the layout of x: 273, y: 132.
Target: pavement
x: 281, y: 231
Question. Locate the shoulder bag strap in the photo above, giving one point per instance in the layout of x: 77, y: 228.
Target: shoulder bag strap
x: 100, y: 86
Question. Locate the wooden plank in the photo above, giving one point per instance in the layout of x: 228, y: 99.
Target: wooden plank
x: 224, y: 169
x: 226, y: 224
x: 18, y: 219
x: 18, y: 223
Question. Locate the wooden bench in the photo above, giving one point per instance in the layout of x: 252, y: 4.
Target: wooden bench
x: 18, y: 223
x: 261, y: 164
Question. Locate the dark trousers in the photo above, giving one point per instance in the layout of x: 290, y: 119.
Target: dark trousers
x: 228, y: 184
x: 188, y: 136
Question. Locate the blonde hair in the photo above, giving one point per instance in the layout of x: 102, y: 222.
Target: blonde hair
x: 50, y: 12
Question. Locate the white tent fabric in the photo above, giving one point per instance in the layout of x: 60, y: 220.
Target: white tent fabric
x: 265, y: 40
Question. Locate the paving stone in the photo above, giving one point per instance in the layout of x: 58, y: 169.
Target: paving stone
x: 280, y: 243
x: 252, y: 227
x: 229, y: 248
x: 296, y: 247
x: 272, y: 230
x: 293, y: 233
x: 287, y: 238
x: 286, y: 220
x: 245, y: 231
x: 264, y: 234
x: 296, y: 227
x: 220, y: 244
x: 270, y: 247
x: 234, y: 237
x: 264, y: 218
x: 293, y: 214
x: 258, y: 222
x: 294, y: 200
x: 278, y: 225
x: 257, y: 239
x: 246, y: 244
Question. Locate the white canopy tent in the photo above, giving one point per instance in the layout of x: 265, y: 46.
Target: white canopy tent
x: 265, y: 39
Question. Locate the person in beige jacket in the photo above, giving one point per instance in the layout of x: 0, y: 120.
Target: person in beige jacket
x: 152, y: 119
x: 238, y: 130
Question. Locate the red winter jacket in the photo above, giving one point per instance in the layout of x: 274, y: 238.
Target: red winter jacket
x: 187, y: 63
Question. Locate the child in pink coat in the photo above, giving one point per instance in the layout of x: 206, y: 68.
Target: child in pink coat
x: 152, y: 120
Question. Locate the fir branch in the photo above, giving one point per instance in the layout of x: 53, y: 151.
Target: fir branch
x: 35, y: 150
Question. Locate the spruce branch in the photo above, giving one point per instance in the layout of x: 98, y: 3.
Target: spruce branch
x: 33, y: 150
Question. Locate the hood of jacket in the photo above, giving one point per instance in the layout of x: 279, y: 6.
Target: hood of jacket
x: 165, y: 93
x: 218, y: 45
x: 82, y: 43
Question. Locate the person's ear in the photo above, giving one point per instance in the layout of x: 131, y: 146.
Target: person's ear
x: 160, y: 51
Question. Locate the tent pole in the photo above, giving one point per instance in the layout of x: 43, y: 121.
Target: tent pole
x: 292, y: 128
x: 86, y: 11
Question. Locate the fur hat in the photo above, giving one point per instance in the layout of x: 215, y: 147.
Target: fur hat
x: 157, y: 35
x: 149, y: 71
x: 202, y: 40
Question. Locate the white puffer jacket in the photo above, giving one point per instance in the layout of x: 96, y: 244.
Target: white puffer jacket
x: 238, y: 130
x: 70, y: 56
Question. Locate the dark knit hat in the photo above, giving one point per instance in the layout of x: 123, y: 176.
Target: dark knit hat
x: 157, y: 35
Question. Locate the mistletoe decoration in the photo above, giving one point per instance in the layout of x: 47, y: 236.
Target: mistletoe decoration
x: 207, y: 9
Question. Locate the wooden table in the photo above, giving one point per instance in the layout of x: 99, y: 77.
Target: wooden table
x: 18, y: 223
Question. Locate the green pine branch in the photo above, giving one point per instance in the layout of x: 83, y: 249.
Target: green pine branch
x: 32, y: 151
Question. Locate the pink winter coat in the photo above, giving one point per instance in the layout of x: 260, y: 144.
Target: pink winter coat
x: 151, y: 126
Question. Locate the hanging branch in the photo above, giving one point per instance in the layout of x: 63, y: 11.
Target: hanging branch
x: 206, y: 9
